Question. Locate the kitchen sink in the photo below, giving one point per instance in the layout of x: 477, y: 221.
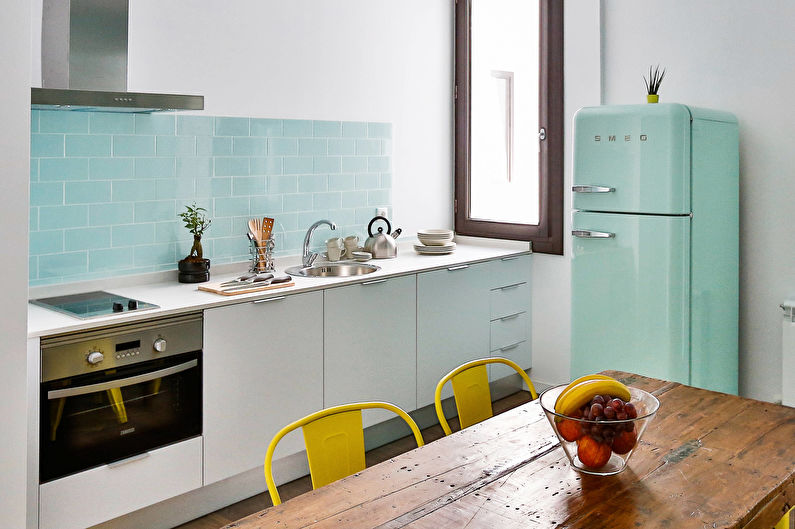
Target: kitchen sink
x: 333, y: 270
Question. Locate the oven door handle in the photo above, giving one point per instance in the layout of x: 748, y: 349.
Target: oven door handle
x: 120, y: 383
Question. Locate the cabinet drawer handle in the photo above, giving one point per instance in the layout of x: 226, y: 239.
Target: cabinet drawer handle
x: 509, y: 287
x: 128, y: 460
x: 376, y: 282
x: 512, y: 346
x: 511, y: 317
x: 454, y: 268
x: 510, y: 258
x: 266, y: 300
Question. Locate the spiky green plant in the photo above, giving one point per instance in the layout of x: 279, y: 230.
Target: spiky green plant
x: 655, y: 78
x: 196, y: 222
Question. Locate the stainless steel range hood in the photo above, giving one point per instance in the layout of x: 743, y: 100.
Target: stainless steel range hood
x: 84, y: 61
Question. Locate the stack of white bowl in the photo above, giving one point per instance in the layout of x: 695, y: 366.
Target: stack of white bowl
x: 435, y: 241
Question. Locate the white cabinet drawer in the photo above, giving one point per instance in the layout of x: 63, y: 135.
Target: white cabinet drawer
x: 519, y: 353
x: 509, y: 270
x: 103, y: 493
x: 508, y: 330
x: 510, y: 299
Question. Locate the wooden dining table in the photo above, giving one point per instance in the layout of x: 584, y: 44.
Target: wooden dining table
x: 707, y: 460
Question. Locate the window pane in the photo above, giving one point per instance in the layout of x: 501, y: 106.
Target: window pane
x: 504, y: 111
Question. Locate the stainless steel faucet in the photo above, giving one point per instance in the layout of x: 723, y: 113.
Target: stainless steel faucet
x: 308, y: 257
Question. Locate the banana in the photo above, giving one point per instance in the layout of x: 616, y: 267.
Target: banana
x: 595, y: 376
x: 583, y: 392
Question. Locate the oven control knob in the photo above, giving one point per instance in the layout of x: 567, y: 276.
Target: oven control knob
x: 95, y: 357
x: 160, y: 345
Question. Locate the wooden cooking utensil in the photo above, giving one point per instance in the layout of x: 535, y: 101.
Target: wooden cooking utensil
x: 267, y: 228
x: 255, y: 225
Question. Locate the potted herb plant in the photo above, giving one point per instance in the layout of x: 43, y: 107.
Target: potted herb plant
x: 195, y: 268
x: 653, y: 84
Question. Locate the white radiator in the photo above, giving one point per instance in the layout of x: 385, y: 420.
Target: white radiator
x: 788, y: 354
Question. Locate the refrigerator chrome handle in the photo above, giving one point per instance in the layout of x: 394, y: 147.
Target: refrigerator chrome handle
x: 588, y: 234
x: 592, y: 189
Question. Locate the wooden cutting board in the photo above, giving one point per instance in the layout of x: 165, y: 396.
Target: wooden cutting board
x: 215, y: 288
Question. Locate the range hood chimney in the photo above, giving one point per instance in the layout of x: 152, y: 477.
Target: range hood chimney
x: 84, y: 61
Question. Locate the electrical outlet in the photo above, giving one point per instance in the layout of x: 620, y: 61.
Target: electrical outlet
x: 381, y: 212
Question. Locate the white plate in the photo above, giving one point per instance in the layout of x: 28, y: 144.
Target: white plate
x: 436, y: 234
x: 434, y: 250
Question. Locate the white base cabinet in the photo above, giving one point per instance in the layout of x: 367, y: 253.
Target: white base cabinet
x: 109, y: 491
x: 263, y: 369
x: 369, y: 344
x: 452, y: 323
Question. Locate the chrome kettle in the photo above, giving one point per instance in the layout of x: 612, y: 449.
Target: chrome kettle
x: 381, y: 245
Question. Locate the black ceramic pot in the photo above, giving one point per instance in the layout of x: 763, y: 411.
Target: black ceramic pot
x: 191, y: 271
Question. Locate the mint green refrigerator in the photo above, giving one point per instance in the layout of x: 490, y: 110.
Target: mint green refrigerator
x: 655, y: 243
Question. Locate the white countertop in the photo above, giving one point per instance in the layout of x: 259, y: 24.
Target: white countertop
x: 178, y: 298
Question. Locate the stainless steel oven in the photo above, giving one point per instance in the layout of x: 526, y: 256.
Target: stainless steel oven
x: 116, y: 393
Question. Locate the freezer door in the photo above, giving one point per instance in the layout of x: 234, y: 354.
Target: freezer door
x: 630, y: 295
x: 632, y: 158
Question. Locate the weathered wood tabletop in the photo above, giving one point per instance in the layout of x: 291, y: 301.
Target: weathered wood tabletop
x: 707, y: 460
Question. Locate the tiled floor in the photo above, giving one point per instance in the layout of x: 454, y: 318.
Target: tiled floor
x: 294, y: 488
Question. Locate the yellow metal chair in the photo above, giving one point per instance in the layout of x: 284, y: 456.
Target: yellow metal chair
x: 334, y: 440
x: 471, y: 391
x: 787, y: 521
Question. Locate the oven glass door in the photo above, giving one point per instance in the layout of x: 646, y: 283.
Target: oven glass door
x: 111, y: 415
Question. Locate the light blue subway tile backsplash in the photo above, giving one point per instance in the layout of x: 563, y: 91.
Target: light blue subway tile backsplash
x: 89, y: 192
x: 342, y: 146
x: 105, y: 189
x: 133, y: 145
x: 368, y: 147
x: 110, y: 123
x: 354, y: 129
x: 86, y: 238
x: 265, y: 127
x: 87, y: 145
x: 110, y: 168
x: 195, y: 125
x: 176, y: 145
x: 327, y: 129
x: 63, y: 169
x: 46, y: 193
x: 297, y: 164
x: 153, y: 124
x: 46, y: 145
x: 297, y: 128
x: 63, y: 122
x: 231, y: 126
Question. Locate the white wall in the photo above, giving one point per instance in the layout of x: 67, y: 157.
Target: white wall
x: 732, y: 55
x: 14, y: 180
x: 361, y: 60
x: 551, y: 273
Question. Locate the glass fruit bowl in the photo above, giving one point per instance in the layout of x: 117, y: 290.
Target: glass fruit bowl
x: 602, y: 446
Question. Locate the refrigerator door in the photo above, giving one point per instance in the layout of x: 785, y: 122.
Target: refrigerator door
x: 632, y: 159
x: 630, y: 295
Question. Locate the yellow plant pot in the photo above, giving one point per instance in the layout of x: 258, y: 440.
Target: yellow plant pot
x: 652, y: 98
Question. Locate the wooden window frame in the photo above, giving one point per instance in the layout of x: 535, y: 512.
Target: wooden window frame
x: 547, y: 235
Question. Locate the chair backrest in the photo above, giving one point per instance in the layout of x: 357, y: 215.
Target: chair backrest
x: 471, y: 391
x: 334, y: 441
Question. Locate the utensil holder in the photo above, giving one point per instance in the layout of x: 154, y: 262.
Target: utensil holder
x: 262, y: 256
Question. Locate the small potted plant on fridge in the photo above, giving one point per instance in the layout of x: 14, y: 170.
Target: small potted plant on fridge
x: 653, y: 84
x: 195, y: 268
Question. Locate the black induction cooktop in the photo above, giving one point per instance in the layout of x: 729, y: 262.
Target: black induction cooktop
x: 93, y: 304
